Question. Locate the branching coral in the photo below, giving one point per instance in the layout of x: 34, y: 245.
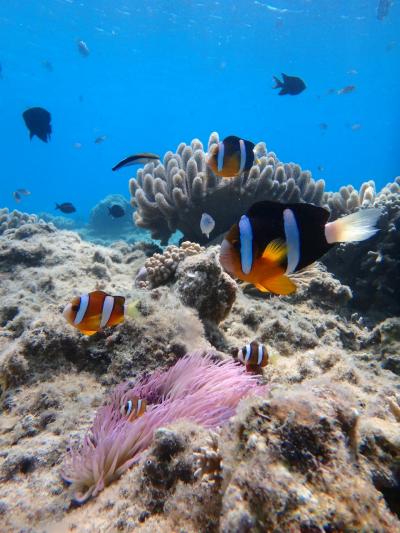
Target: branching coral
x: 175, y: 194
x: 196, y: 388
x: 160, y: 268
x: 16, y: 219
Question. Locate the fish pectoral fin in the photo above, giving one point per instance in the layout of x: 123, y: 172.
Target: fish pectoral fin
x: 86, y: 332
x: 276, y: 251
x: 260, y: 287
x: 279, y: 285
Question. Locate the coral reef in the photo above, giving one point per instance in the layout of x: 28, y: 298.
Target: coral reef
x: 317, y: 449
x: 102, y: 224
x: 371, y: 268
x: 15, y: 219
x: 174, y: 195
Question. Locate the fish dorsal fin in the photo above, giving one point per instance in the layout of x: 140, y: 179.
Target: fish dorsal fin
x: 279, y: 285
x: 285, y: 76
x: 276, y: 251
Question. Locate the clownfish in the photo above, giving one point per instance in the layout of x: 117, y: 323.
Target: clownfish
x: 253, y: 355
x: 231, y: 157
x: 133, y: 408
x: 95, y: 311
x: 273, y: 240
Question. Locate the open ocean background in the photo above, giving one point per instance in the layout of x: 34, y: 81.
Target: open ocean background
x: 162, y: 72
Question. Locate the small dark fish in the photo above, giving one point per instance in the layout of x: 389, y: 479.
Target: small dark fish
x: 47, y: 65
x: 346, y: 90
x: 321, y: 168
x: 137, y: 159
x: 66, y: 207
x: 25, y: 192
x: 332, y: 91
x: 273, y: 240
x: 16, y: 196
x: 37, y: 121
x: 382, y: 9
x: 290, y: 85
x: 116, y: 211
x: 83, y: 48
x: 231, y: 157
x: 390, y: 46
x: 100, y: 139
x: 323, y: 126
x: 356, y: 126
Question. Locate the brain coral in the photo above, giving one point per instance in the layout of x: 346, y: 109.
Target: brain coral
x: 174, y: 195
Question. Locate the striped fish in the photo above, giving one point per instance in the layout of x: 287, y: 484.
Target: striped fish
x: 133, y: 408
x: 95, y: 311
x: 254, y: 354
x: 273, y: 240
x: 231, y: 157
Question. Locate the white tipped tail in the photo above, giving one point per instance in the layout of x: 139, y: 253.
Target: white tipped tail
x: 358, y: 226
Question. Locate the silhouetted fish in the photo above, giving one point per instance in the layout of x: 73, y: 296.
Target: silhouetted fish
x: 382, y: 9
x: 16, y: 196
x: 100, y: 139
x: 47, y: 65
x: 290, y: 85
x: 37, y: 121
x: 83, y: 48
x: 25, y: 192
x: 116, y: 211
x: 137, y: 159
x: 66, y: 207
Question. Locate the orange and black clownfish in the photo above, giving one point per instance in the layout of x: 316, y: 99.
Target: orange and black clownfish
x: 273, y: 240
x: 92, y: 312
x: 133, y: 408
x: 253, y: 355
x: 231, y: 157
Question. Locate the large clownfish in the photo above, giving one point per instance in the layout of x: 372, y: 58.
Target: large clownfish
x: 95, y: 311
x: 231, y: 157
x: 273, y: 240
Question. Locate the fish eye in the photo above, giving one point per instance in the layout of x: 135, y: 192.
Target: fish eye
x: 236, y: 244
x: 75, y: 308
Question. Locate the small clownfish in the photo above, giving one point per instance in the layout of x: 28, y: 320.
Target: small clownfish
x: 133, y: 408
x: 95, y: 311
x: 254, y: 355
x: 231, y: 157
x: 273, y: 240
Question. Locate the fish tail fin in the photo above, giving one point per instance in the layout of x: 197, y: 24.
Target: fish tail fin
x: 356, y: 227
x: 278, y: 83
x: 132, y: 309
x: 280, y: 284
x: 57, y: 206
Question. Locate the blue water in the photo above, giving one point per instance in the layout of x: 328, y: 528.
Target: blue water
x: 163, y: 72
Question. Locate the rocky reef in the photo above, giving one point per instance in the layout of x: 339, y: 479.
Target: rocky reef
x: 315, y: 449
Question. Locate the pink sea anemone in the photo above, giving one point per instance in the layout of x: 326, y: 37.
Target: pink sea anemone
x: 196, y: 388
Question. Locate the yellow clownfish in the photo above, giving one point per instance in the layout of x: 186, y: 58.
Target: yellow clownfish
x: 92, y: 312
